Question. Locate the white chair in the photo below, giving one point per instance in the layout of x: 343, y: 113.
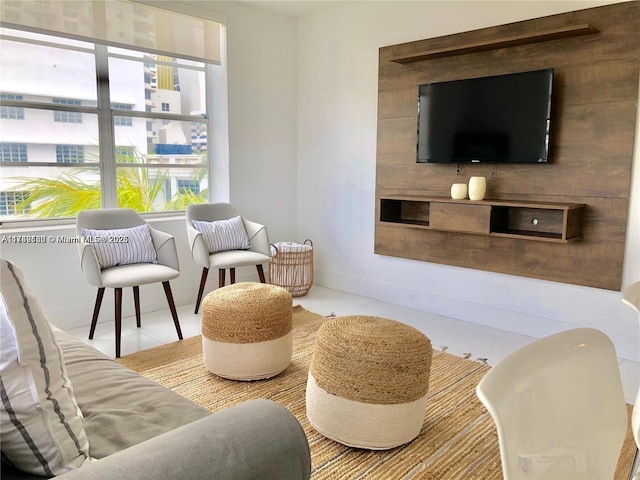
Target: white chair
x: 559, y: 407
x: 631, y: 297
x: 113, y: 256
x: 258, y: 252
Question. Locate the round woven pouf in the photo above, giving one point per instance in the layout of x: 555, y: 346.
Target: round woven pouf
x: 368, y: 382
x: 246, y: 331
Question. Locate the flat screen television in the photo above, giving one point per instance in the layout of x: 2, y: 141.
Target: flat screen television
x: 503, y: 118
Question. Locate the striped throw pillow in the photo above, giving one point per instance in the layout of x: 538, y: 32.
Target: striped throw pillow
x: 223, y: 235
x: 124, y: 246
x: 42, y: 425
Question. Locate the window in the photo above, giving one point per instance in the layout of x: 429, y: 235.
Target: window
x: 15, y: 113
x: 66, y: 117
x: 118, y: 120
x: 131, y: 154
x: 185, y: 186
x: 69, y: 153
x: 10, y: 203
x: 13, y: 152
x: 125, y: 152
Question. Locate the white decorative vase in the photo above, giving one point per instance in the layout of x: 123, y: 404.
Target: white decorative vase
x: 459, y: 191
x: 477, y: 188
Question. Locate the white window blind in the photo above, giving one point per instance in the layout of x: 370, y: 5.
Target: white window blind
x: 119, y: 23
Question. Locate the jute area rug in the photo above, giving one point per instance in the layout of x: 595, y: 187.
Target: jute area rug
x: 458, y: 439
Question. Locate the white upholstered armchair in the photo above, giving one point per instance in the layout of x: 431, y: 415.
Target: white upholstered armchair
x: 121, y: 250
x: 224, y: 239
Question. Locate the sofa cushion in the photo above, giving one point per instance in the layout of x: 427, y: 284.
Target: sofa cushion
x: 42, y: 426
x: 223, y: 235
x: 120, y: 407
x: 122, y: 246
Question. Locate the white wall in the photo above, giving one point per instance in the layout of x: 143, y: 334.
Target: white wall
x: 262, y: 94
x: 338, y: 72
x: 262, y: 90
x: 52, y: 272
x: 302, y: 145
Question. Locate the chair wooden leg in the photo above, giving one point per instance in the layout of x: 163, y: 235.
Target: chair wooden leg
x: 118, y: 301
x: 96, y: 311
x: 172, y: 307
x: 136, y: 302
x: 232, y: 275
x: 261, y: 273
x: 220, y: 277
x: 203, y: 280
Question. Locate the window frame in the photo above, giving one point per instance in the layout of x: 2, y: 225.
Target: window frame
x: 70, y: 153
x: 65, y: 116
x: 106, y: 124
x: 9, y: 197
x: 193, y: 186
x: 10, y: 147
x: 11, y: 113
x: 121, y: 120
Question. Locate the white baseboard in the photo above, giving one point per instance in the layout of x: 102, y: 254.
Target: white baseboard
x: 520, y: 322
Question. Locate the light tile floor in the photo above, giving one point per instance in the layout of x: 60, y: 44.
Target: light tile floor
x: 456, y: 336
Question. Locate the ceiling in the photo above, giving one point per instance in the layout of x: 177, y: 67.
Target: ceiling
x: 295, y: 8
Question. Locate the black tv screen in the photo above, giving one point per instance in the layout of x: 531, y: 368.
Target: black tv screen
x: 503, y: 118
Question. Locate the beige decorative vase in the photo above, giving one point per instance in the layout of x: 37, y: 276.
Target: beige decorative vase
x: 459, y: 191
x: 477, y: 188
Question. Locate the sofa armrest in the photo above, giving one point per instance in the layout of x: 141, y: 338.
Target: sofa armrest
x: 258, y: 439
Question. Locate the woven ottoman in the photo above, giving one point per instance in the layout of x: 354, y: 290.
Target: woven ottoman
x: 368, y: 381
x: 246, y: 331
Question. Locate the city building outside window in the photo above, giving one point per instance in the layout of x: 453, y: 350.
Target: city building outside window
x: 125, y: 152
x: 148, y: 159
x: 119, y: 120
x: 15, y: 113
x: 10, y: 203
x: 188, y: 185
x: 66, y: 117
x: 13, y: 152
x: 69, y: 153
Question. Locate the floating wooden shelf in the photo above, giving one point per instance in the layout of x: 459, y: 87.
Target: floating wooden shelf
x: 513, y: 41
x: 548, y: 222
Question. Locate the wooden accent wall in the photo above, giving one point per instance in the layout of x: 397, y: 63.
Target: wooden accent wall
x: 591, y: 153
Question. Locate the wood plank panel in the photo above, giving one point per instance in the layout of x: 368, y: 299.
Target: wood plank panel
x: 576, y: 81
x: 592, y: 141
x: 527, y: 258
x: 504, y: 42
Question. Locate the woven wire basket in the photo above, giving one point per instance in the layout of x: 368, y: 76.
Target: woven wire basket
x: 291, y: 266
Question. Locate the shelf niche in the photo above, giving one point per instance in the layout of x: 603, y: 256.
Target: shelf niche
x: 548, y: 222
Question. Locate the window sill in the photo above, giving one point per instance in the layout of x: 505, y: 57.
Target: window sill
x: 29, y: 226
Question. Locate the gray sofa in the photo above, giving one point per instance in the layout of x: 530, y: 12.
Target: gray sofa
x: 138, y: 429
